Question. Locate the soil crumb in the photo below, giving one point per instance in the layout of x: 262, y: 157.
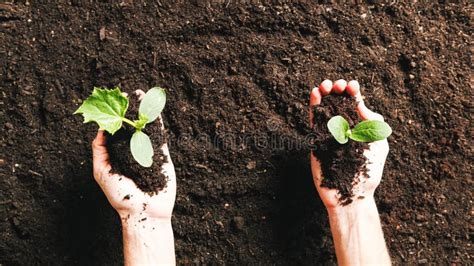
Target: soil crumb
x: 339, y: 162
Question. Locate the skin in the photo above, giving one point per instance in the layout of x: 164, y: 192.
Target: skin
x: 146, y: 220
x: 356, y: 228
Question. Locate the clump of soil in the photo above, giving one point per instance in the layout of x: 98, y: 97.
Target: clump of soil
x: 148, y: 179
x: 339, y: 162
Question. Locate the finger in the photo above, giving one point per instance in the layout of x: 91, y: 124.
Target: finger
x: 378, y: 150
x: 168, y: 167
x: 376, y: 155
x: 325, y: 87
x: 314, y: 97
x: 367, y: 114
x: 339, y: 86
x: 353, y: 88
x: 316, y: 170
x: 162, y: 123
x: 100, y: 155
x: 169, y: 192
x: 115, y: 187
x: 140, y: 94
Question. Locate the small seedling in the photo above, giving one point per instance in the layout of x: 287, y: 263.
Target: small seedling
x: 365, y: 131
x: 107, y: 107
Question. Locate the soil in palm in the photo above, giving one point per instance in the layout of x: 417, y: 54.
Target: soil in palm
x: 148, y: 179
x: 339, y: 162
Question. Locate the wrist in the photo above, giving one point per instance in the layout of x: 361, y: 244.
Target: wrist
x: 355, y: 208
x: 147, y: 240
x: 142, y: 222
x: 357, y: 233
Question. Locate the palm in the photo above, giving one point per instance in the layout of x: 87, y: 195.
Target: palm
x: 125, y: 196
x: 375, y: 154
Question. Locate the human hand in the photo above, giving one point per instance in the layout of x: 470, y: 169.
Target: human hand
x: 375, y: 154
x: 138, y: 205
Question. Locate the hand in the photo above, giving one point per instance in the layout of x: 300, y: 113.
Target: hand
x: 116, y: 187
x: 375, y: 154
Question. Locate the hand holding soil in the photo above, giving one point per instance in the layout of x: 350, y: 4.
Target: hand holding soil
x: 146, y: 216
x: 122, y: 192
x: 347, y: 175
x: 367, y: 178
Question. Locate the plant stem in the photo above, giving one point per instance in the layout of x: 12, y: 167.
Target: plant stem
x: 130, y: 122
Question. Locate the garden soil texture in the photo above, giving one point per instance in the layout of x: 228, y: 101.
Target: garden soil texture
x: 238, y: 79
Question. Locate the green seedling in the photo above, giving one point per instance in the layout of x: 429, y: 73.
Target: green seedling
x: 107, y: 107
x: 365, y: 131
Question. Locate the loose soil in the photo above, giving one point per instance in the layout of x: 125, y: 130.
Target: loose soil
x: 339, y: 162
x: 233, y: 71
x: 148, y: 179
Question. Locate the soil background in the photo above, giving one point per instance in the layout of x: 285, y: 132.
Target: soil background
x: 231, y: 71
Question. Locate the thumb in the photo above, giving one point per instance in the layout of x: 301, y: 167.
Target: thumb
x: 367, y: 114
x: 100, y: 155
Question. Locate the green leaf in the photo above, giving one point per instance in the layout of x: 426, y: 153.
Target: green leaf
x: 106, y: 107
x: 141, y: 148
x: 370, y: 130
x: 339, y: 128
x: 153, y: 103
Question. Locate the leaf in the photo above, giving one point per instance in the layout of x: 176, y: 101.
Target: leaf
x: 106, y: 107
x: 141, y: 148
x: 370, y: 130
x: 339, y: 128
x: 153, y: 103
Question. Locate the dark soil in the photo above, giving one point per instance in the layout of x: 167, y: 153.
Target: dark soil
x: 234, y: 70
x: 339, y: 163
x: 148, y: 179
